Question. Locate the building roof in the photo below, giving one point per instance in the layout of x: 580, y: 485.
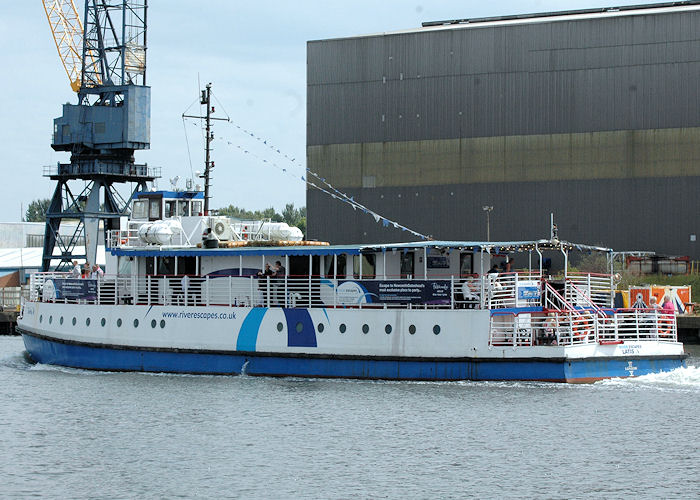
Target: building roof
x: 541, y: 17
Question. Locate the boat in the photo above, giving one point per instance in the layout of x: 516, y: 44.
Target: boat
x: 189, y: 293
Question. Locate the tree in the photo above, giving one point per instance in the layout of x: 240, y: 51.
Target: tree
x: 290, y: 215
x: 36, y: 211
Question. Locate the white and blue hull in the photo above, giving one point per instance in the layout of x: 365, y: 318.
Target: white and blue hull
x: 396, y: 344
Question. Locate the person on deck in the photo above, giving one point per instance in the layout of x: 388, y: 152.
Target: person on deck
x: 97, y: 272
x: 280, y: 274
x: 76, y: 271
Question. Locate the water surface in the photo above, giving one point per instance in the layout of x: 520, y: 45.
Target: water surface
x: 69, y: 433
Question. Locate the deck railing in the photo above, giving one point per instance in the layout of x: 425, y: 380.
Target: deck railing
x: 580, y: 327
x: 488, y: 292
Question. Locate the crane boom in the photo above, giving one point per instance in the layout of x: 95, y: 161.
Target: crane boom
x: 68, y: 34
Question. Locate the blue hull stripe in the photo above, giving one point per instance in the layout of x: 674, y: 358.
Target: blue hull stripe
x: 113, y: 359
x: 248, y: 336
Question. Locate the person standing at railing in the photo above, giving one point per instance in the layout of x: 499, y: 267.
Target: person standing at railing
x: 280, y: 275
x: 668, y: 314
x: 97, y: 272
x: 264, y: 282
x: 185, y: 286
x: 76, y: 271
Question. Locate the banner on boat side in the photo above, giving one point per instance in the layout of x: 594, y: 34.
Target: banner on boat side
x: 70, y: 289
x: 353, y: 292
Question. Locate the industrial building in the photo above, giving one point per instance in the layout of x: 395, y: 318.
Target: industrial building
x: 591, y: 115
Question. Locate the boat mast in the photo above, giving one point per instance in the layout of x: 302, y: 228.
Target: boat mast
x: 205, y: 99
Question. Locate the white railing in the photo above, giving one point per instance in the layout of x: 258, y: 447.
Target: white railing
x: 580, y: 327
x: 584, y: 288
x: 130, y: 237
x: 487, y: 292
x: 491, y: 291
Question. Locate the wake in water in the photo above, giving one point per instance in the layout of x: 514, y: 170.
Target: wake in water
x: 686, y: 379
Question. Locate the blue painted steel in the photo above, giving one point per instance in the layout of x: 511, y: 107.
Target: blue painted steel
x: 81, y: 356
x: 300, y: 329
x: 248, y: 336
x: 200, y: 252
x: 196, y: 195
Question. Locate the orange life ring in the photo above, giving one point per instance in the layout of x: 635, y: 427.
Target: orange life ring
x: 581, y: 326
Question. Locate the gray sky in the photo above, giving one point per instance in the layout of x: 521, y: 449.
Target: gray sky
x: 254, y: 53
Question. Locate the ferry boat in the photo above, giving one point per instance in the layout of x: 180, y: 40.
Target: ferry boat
x: 171, y: 301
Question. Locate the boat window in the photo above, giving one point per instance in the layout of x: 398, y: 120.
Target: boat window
x: 329, y: 266
x: 187, y: 265
x: 387, y: 329
x: 466, y: 264
x: 166, y: 266
x: 407, y: 263
x: 412, y: 329
x: 436, y: 329
x: 196, y: 208
x: 320, y: 328
x: 154, y: 209
x: 125, y: 266
x: 140, y: 209
x: 368, y: 266
x: 149, y: 265
x: 182, y: 208
x: 365, y: 328
x: 170, y: 209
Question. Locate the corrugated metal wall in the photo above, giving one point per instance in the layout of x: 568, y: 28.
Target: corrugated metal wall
x: 606, y: 107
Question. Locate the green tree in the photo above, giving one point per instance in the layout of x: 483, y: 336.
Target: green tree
x: 36, y: 211
x: 291, y: 215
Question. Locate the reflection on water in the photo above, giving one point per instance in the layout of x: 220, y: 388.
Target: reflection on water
x: 80, y: 434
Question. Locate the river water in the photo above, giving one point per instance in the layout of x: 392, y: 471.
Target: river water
x: 69, y: 433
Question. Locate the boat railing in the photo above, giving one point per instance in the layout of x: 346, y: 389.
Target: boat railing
x: 566, y: 328
x: 507, y: 290
x: 131, y: 237
x: 584, y: 288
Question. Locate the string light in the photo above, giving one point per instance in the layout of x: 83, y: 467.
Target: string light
x: 325, y: 186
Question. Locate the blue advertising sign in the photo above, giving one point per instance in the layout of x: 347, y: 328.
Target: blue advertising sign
x: 393, y: 292
x: 70, y: 289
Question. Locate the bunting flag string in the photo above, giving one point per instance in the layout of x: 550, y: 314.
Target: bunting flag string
x: 325, y: 186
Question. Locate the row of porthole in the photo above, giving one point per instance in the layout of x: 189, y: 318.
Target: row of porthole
x: 103, y: 321
x: 365, y: 328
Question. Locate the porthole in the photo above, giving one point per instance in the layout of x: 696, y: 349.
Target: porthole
x: 387, y: 329
x: 154, y: 323
x: 280, y: 327
x: 103, y: 322
x: 365, y: 328
x: 412, y: 329
x: 87, y: 321
x: 436, y: 329
x: 320, y: 328
x: 342, y: 328
x: 299, y: 327
x: 50, y: 319
x: 136, y: 323
x: 41, y: 318
x: 162, y: 323
x: 61, y: 320
x: 74, y: 321
x: 119, y: 322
